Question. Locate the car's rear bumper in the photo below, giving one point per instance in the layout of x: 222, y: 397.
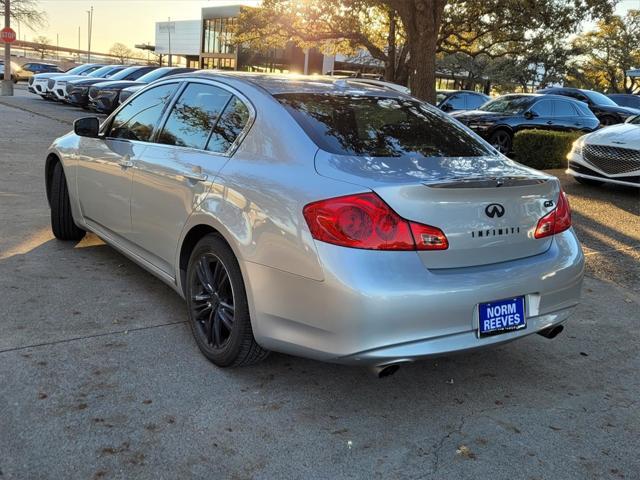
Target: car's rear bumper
x: 375, y: 308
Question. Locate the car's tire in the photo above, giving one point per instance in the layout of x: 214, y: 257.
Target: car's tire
x: 588, y: 181
x: 218, y: 306
x: 608, y: 120
x: 502, y: 141
x: 62, y: 223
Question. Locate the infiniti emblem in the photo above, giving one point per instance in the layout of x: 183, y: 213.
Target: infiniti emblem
x: 493, y: 210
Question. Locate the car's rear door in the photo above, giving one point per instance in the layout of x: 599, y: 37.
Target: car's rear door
x: 105, y: 167
x: 175, y: 172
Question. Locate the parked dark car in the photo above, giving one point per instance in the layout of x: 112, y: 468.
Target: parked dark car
x: 498, y: 120
x: 626, y: 100
x: 151, y: 77
x: 607, y: 111
x: 77, y: 90
x: 455, y: 100
x: 36, y: 67
x: 103, y: 97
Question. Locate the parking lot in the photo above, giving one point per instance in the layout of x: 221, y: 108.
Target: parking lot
x: 100, y: 377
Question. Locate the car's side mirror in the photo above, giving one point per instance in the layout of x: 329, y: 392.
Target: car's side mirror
x: 446, y: 107
x: 87, y: 127
x: 529, y: 115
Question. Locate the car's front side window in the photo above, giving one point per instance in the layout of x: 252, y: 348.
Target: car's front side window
x: 194, y: 116
x: 138, y: 118
x: 543, y: 108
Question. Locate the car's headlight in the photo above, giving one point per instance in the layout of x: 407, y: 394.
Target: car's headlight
x: 576, y: 148
x: 480, y: 125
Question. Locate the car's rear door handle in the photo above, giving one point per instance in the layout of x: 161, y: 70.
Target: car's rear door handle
x: 126, y: 162
x: 549, y: 122
x: 196, y: 177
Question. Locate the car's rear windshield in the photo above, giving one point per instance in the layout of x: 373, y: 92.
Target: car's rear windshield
x: 379, y: 126
x: 598, y: 98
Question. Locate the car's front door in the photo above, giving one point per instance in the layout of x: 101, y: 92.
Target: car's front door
x: 178, y: 169
x: 540, y: 116
x: 105, y: 168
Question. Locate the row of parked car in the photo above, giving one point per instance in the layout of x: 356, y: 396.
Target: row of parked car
x: 558, y: 109
x: 610, y: 154
x: 98, y: 87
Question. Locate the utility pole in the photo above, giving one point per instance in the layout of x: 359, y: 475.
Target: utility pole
x: 90, y: 28
x: 57, y: 46
x: 7, y: 84
x: 169, y: 31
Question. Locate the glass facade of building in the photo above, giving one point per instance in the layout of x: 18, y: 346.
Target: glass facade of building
x: 218, y: 36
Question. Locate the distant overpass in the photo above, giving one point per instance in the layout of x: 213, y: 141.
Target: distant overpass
x: 55, y: 50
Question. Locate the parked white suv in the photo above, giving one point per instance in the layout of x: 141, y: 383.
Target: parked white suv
x: 39, y: 83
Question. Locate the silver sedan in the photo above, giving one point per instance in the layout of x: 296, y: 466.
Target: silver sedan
x: 321, y: 218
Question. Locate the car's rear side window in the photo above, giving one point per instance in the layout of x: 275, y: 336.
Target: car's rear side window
x: 194, y: 116
x: 229, y: 126
x: 379, y: 126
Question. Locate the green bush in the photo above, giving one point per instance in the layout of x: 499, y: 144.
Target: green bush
x: 543, y: 149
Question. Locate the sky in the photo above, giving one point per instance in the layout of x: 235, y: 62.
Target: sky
x: 131, y: 21
x: 127, y: 21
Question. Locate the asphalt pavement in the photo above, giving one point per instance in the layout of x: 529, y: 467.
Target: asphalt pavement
x: 100, y: 377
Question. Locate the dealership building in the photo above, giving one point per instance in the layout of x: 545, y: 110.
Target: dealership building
x: 208, y: 43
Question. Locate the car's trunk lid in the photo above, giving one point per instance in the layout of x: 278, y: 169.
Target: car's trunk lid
x: 488, y: 207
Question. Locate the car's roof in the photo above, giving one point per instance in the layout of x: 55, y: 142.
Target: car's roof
x: 292, y: 83
x: 462, y: 91
x: 540, y: 95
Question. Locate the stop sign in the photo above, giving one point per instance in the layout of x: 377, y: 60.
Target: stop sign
x: 7, y: 35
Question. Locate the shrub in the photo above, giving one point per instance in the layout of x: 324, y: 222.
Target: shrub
x: 543, y: 149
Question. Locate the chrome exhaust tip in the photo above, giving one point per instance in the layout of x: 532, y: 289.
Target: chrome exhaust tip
x: 551, y: 332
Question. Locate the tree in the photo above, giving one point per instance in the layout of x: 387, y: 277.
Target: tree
x: 121, y: 51
x: 345, y: 26
x: 408, y: 34
x: 421, y: 20
x: 26, y: 12
x: 41, y: 45
x: 607, y: 52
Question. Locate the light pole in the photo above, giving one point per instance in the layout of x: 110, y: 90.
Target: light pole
x: 90, y: 31
x: 7, y: 84
x: 169, y: 31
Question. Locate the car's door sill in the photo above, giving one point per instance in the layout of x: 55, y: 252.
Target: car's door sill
x: 111, y: 240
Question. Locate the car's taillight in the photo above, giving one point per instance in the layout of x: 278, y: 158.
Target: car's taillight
x: 556, y: 221
x: 366, y: 221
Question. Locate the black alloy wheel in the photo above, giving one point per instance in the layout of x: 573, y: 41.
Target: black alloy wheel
x: 212, y: 301
x: 218, y: 306
x: 501, y: 141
